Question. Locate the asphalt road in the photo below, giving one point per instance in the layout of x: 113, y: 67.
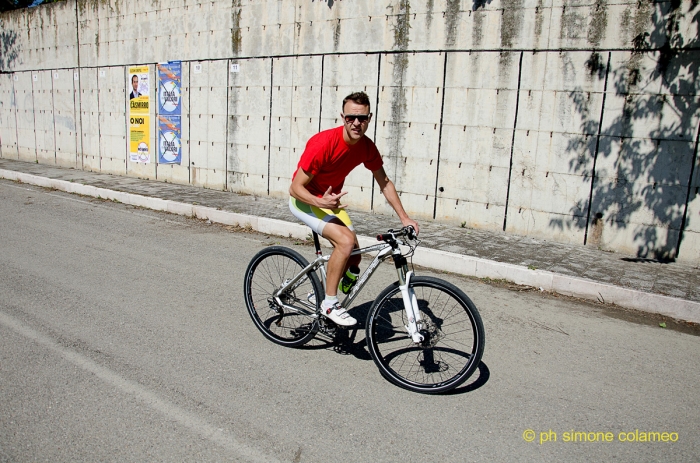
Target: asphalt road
x: 124, y: 337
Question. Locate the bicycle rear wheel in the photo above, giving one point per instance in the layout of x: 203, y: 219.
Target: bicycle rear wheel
x: 268, y: 271
x: 450, y: 324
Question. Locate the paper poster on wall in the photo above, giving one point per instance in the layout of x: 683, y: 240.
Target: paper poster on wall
x: 169, y: 111
x: 138, y: 87
x: 139, y: 137
x: 169, y: 136
x: 169, y: 88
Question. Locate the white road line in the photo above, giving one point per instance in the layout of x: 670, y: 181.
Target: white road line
x: 142, y: 394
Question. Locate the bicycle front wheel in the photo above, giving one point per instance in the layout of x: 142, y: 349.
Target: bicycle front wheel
x: 293, y: 322
x: 453, y: 337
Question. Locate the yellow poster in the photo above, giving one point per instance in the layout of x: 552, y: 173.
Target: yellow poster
x: 139, y: 110
x: 140, y: 138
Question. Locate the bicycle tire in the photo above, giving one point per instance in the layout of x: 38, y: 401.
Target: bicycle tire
x: 453, y: 330
x: 266, y: 273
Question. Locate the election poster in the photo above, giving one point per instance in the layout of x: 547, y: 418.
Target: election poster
x: 169, y: 112
x: 139, y: 115
x: 169, y: 140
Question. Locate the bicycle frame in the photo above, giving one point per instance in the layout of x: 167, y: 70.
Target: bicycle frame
x: 384, y: 251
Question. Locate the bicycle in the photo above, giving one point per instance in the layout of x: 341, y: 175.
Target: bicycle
x: 424, y: 334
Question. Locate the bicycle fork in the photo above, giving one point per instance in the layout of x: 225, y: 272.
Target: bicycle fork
x: 410, y: 301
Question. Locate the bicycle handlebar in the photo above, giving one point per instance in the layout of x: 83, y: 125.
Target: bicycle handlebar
x: 409, y: 232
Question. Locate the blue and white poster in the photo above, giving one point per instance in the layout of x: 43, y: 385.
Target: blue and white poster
x: 170, y: 136
x: 169, y: 88
x: 169, y: 113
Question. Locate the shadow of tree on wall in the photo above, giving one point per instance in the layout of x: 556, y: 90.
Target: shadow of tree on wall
x: 8, y: 49
x: 645, y: 151
x: 476, y: 4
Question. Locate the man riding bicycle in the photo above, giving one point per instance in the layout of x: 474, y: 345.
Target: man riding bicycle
x: 316, y: 193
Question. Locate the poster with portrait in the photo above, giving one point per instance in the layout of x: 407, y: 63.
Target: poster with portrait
x: 138, y: 87
x: 169, y: 112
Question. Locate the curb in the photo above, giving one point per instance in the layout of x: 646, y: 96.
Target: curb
x: 676, y: 308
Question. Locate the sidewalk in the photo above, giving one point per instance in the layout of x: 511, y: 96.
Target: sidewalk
x: 671, y: 289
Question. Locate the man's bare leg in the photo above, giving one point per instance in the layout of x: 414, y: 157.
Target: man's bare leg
x: 344, y: 241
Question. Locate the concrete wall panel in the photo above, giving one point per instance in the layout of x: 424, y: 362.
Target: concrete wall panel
x: 8, y: 117
x: 635, y: 203
x: 24, y: 97
x: 15, y: 41
x: 248, y: 126
x: 112, y: 119
x: 89, y: 119
x: 645, y: 164
x: 554, y: 147
x: 474, y: 194
x: 482, y: 70
x: 64, y: 93
x: 556, y: 200
x: 407, y: 135
x: 42, y: 36
x: 320, y: 29
x: 480, y: 99
x: 345, y: 74
x: 598, y: 24
x: 211, y: 84
x: 264, y: 29
x: 296, y: 101
x: 77, y: 105
x: 449, y: 25
x: 208, y: 108
x: 44, y: 116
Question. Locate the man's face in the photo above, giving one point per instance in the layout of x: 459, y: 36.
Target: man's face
x: 355, y: 127
x: 135, y: 83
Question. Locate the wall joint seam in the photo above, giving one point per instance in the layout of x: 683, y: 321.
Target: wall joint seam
x: 78, y: 133
x: 14, y: 96
x: 512, y: 141
x: 439, y: 147
x: 376, y: 119
x: 36, y: 144
x: 597, y: 148
x: 53, y: 108
x: 320, y: 103
x: 189, y: 122
x: 269, y: 126
x: 228, y: 121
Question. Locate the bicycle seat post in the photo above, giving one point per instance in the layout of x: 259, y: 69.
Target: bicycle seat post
x: 317, y: 244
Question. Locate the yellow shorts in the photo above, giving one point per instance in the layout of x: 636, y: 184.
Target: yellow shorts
x: 317, y: 218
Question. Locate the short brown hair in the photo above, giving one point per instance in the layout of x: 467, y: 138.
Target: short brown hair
x: 360, y: 98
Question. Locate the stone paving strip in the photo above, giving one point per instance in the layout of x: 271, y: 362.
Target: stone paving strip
x: 670, y: 289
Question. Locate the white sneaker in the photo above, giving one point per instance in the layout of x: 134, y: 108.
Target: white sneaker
x: 338, y: 315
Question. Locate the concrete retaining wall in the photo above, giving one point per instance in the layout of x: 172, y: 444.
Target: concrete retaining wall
x: 566, y: 120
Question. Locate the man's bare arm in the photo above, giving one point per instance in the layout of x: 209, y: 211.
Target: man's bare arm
x: 298, y: 191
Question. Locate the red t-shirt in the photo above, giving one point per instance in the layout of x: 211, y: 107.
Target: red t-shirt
x: 329, y: 159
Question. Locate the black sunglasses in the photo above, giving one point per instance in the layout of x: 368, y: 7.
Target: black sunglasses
x: 350, y: 118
